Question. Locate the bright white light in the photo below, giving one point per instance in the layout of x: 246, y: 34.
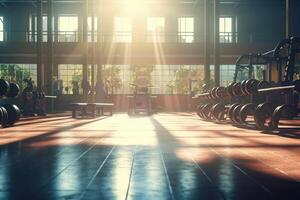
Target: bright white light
x: 135, y: 6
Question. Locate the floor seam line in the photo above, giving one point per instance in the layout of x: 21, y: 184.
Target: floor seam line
x: 97, y: 172
x: 130, y: 176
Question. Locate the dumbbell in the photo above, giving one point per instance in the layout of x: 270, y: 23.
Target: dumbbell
x: 10, y: 90
x: 199, y: 107
x: 13, y: 90
x: 218, y: 111
x: 237, y: 89
x: 9, y: 114
x: 230, y: 110
x: 4, y: 85
x: 246, y: 111
x: 205, y: 111
x: 236, y: 114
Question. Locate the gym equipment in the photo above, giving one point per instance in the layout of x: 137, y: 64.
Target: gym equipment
x: 257, y: 103
x: 141, y: 101
x: 34, y: 100
x: 13, y: 90
x: 4, y: 85
x: 10, y: 90
x: 13, y: 113
x: 9, y: 115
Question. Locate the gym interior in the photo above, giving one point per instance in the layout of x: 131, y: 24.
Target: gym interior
x: 149, y: 99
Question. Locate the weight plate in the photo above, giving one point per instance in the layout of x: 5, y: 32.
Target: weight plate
x: 235, y: 114
x: 218, y: 111
x: 284, y: 111
x: 13, y: 90
x: 230, y: 88
x: 221, y: 92
x: 243, y: 87
x: 3, y: 87
x: 206, y: 111
x: 246, y: 110
x: 213, y: 93
x: 230, y: 110
x: 198, y: 111
x: 13, y: 113
x: 251, y: 86
x: 297, y: 85
x: 236, y: 89
x: 262, y: 113
x: 4, y: 118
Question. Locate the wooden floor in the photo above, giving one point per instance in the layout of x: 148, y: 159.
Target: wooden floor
x: 166, y: 156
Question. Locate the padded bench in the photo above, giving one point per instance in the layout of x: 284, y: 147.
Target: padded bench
x: 91, y: 109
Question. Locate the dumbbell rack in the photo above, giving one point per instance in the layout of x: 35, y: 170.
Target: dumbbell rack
x: 268, y: 114
x: 265, y: 112
x: 9, y: 113
x: 234, y: 103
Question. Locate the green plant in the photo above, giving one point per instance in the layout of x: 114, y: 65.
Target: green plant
x: 141, y: 71
x: 112, y: 77
x: 14, y: 73
x: 186, y: 80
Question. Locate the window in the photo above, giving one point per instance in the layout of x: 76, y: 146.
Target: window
x: 174, y: 79
x: 68, y: 29
x: 33, y: 29
x: 118, y: 76
x: 155, y: 29
x: 90, y: 33
x: 90, y: 73
x: 226, y: 74
x: 1, y: 29
x: 18, y: 72
x: 226, y: 26
x: 186, y: 29
x: 69, y: 75
x: 123, y: 29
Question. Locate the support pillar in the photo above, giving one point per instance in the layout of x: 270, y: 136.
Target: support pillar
x: 206, y: 41
x: 99, y: 41
x: 93, y: 49
x: 216, y: 43
x: 49, y: 74
x: 39, y: 45
x: 287, y: 18
x: 85, y: 47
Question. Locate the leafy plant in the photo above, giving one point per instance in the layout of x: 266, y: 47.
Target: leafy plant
x: 183, y: 78
x: 141, y: 71
x: 14, y: 73
x: 112, y: 78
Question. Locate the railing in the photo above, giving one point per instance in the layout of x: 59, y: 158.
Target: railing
x: 120, y: 37
x: 228, y: 37
x: 67, y: 36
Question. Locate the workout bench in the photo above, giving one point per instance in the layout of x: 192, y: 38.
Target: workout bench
x: 91, y: 109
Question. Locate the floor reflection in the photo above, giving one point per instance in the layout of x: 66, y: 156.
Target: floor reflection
x: 166, y: 156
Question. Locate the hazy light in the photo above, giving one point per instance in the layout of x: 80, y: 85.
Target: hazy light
x: 135, y: 6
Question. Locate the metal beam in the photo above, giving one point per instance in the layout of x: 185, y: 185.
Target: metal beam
x: 99, y: 42
x: 39, y: 45
x: 216, y: 43
x: 85, y: 50
x: 207, y: 41
x: 49, y: 73
x: 288, y: 16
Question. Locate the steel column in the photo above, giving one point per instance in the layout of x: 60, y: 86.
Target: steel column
x: 207, y: 41
x: 49, y: 74
x: 39, y: 45
x: 216, y: 43
x: 85, y: 46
